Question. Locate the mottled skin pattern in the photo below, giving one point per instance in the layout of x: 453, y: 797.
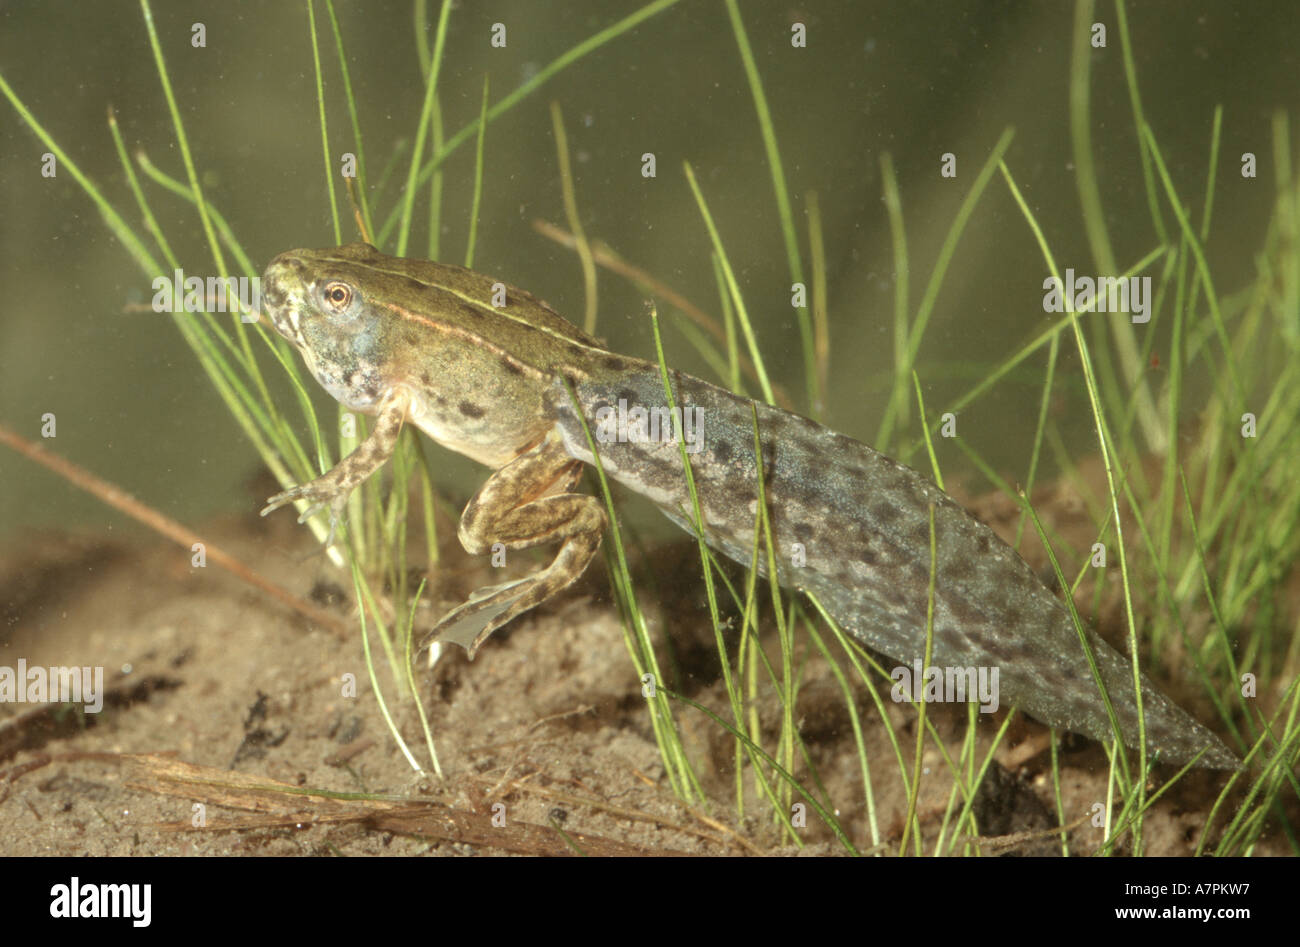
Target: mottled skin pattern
x: 410, y: 340
x: 863, y: 522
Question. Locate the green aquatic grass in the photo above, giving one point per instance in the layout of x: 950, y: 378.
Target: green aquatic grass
x: 779, y: 800
x: 1119, y: 412
x: 911, y: 820
x: 225, y: 347
x: 581, y: 244
x: 1110, y: 464
x: 781, y: 194
x: 735, y: 297
x: 638, y: 640
x: 1116, y: 412
x: 523, y: 91
x: 920, y: 321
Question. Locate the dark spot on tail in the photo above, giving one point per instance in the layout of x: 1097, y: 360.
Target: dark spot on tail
x: 959, y: 569
x: 813, y: 451
x: 888, y: 513
x: 471, y: 410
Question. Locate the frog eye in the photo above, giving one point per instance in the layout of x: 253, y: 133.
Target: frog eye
x: 337, y: 295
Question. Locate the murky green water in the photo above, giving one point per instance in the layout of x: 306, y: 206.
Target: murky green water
x: 914, y: 80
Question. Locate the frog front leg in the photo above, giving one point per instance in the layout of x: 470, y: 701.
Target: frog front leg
x: 334, y: 486
x: 526, y: 503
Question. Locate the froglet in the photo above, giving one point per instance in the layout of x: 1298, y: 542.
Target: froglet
x: 486, y: 369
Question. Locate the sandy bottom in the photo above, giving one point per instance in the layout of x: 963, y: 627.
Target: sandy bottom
x: 224, y: 708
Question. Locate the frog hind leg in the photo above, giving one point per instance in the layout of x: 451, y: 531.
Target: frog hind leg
x: 528, y: 502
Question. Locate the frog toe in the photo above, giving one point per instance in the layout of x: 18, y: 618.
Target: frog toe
x: 277, y: 501
x: 311, y: 511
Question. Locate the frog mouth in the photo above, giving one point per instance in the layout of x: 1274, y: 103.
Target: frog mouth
x: 282, y: 296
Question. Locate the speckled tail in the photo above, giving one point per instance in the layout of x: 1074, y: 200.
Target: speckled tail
x: 852, y: 527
